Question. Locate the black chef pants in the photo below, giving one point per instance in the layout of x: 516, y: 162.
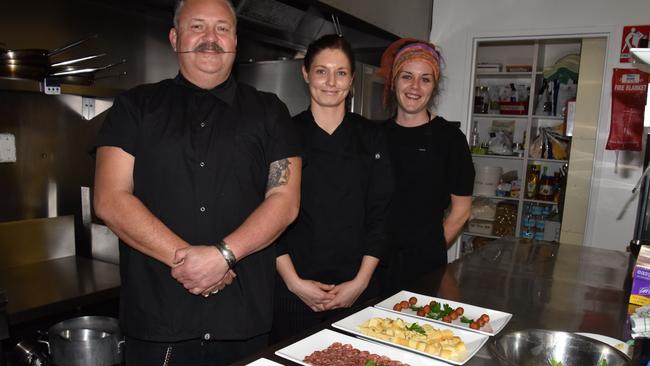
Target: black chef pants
x: 194, y: 352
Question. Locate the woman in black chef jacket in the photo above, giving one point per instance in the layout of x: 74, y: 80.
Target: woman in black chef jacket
x: 327, y: 257
x: 431, y: 160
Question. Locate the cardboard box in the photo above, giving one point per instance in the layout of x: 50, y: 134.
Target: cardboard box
x: 640, y: 294
x: 552, y: 231
x: 519, y: 68
x: 516, y: 108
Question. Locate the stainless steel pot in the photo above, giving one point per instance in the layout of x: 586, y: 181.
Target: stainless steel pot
x: 86, y: 341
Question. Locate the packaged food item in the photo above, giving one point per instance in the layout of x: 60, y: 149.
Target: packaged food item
x: 500, y: 143
x: 483, y: 208
x: 517, y: 108
x: 545, y: 188
x: 515, y: 188
x: 503, y: 189
x: 549, y: 145
x: 505, y: 221
x: 519, y: 68
x: 640, y: 294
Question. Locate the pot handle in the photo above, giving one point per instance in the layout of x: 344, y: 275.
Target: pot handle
x: 44, y: 334
x: 119, y: 346
x: 73, y: 44
x: 46, y: 343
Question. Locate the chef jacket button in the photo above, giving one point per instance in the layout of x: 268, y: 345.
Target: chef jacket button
x: 202, y: 124
x: 202, y: 209
x: 202, y: 164
x: 206, y: 336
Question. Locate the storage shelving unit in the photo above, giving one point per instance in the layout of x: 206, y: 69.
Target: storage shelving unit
x: 537, y: 54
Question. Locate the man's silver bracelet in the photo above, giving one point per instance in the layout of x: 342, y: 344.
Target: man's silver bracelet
x: 227, y: 254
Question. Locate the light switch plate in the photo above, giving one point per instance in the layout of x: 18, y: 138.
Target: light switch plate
x: 7, y: 148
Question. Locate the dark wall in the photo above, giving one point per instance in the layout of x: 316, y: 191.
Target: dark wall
x: 52, y: 138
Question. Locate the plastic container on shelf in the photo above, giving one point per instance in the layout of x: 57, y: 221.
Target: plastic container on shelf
x: 528, y: 227
x: 483, y: 227
x: 486, y: 179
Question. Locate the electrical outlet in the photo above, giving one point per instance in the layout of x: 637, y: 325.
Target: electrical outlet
x: 7, y: 148
x: 51, y: 86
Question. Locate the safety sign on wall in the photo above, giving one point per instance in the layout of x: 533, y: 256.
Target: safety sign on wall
x: 633, y: 37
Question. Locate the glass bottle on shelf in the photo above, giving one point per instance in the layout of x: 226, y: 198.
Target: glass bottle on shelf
x: 482, y: 100
x: 475, y: 144
x: 513, y: 93
x: 545, y: 188
x: 557, y: 187
x: 548, y: 101
x: 532, y: 181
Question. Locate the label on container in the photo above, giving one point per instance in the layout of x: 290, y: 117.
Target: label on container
x: 640, y: 294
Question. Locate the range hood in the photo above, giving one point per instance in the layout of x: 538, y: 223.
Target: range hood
x: 294, y: 24
x: 281, y: 29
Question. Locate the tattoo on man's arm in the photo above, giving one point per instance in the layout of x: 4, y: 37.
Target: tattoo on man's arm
x: 278, y: 174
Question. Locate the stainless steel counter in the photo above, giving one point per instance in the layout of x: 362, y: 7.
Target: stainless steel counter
x: 544, y: 285
x: 45, y: 288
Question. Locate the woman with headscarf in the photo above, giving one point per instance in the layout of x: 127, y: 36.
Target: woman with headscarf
x: 431, y: 160
x: 327, y: 258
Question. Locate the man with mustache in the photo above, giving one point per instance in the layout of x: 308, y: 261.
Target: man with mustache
x: 197, y: 175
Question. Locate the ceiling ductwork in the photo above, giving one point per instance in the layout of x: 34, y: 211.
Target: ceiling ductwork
x: 282, y: 29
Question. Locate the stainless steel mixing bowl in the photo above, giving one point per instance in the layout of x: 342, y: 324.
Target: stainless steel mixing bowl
x: 537, y: 347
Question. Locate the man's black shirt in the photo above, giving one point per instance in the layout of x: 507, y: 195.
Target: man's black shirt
x: 201, y: 167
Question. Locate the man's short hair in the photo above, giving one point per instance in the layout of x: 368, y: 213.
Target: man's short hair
x: 180, y: 3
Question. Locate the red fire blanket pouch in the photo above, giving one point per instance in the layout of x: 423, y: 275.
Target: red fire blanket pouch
x: 629, y: 89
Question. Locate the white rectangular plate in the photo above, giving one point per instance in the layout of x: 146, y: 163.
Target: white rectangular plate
x: 473, y: 341
x: 323, y: 339
x: 498, y: 319
x: 263, y: 362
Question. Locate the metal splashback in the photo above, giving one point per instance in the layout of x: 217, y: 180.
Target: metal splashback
x: 284, y: 78
x: 52, y: 157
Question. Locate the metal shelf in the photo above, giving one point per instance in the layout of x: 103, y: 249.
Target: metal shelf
x: 36, y: 86
x: 549, y: 161
x: 497, y: 197
x: 540, y: 201
x: 481, y: 235
x: 504, y: 74
x: 499, y: 116
x: 558, y: 118
x: 490, y: 156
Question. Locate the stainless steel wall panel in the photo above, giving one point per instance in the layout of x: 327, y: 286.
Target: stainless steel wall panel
x: 30, y: 241
x: 104, y: 244
x: 52, y: 156
x: 283, y: 78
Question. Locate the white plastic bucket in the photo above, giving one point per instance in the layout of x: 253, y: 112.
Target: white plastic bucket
x: 486, y: 180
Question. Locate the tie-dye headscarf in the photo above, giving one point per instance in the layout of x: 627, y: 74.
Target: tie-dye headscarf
x: 401, y: 51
